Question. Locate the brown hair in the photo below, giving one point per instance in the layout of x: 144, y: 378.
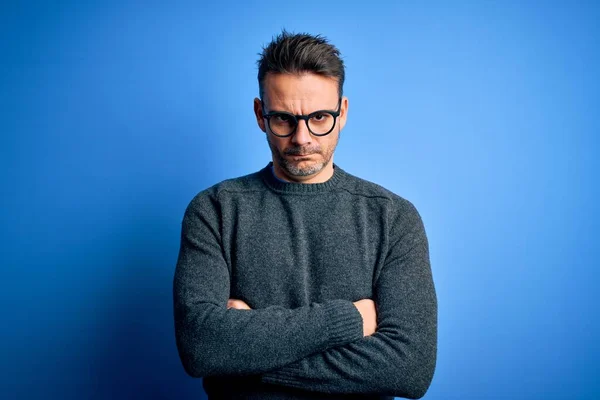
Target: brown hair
x: 297, y: 53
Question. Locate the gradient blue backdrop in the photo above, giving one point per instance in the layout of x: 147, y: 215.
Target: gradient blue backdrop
x: 113, y: 116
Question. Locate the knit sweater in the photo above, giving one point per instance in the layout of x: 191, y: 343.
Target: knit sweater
x: 299, y: 255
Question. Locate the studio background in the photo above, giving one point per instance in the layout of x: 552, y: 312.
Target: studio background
x: 113, y: 115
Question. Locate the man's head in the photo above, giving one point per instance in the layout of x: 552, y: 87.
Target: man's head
x: 300, y: 74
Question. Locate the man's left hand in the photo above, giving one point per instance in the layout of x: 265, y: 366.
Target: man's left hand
x: 237, y: 304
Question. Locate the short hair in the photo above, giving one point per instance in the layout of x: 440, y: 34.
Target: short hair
x: 297, y: 53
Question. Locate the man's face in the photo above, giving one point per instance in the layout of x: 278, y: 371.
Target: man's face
x: 301, y: 157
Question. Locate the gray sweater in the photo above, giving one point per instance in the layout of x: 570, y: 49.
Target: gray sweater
x: 299, y: 255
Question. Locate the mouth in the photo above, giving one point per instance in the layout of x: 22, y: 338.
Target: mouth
x: 293, y: 154
x: 299, y: 156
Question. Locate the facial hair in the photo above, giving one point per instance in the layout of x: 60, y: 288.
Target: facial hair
x: 293, y: 169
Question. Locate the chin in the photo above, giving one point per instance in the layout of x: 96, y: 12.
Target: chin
x: 312, y: 168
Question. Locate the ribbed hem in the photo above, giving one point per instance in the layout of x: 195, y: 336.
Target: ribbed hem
x: 301, y: 188
x: 345, y: 322
x: 286, y: 376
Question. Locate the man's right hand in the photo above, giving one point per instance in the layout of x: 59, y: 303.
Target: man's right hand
x: 367, y: 310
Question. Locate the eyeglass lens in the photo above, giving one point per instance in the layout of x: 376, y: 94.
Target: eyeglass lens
x: 284, y: 124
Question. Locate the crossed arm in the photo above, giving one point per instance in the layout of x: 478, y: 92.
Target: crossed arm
x: 331, y: 353
x: 398, y: 359
x: 366, y: 308
x: 215, y: 341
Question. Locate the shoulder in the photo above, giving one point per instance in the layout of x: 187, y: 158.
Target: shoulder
x: 246, y: 183
x: 210, y: 197
x: 399, y: 210
x: 364, y: 188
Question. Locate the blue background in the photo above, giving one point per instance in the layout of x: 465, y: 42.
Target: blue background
x: 113, y: 116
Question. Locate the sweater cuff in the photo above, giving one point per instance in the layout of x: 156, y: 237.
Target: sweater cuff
x: 345, y: 323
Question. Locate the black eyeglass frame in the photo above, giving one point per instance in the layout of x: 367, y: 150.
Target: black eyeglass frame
x: 296, y: 117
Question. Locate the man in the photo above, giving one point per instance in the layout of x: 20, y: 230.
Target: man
x: 302, y: 281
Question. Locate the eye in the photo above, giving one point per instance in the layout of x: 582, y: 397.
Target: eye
x: 282, y: 118
x: 319, y: 117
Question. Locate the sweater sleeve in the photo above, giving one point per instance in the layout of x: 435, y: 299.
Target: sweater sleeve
x: 214, y: 340
x: 399, y: 358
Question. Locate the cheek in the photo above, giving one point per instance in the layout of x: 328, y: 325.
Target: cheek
x: 276, y: 143
x: 329, y: 144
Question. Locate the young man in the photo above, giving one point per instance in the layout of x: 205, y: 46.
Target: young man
x: 302, y: 281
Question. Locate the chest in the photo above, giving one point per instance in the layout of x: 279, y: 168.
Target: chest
x: 293, y: 254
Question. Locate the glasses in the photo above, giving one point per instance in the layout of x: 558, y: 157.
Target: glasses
x: 284, y: 124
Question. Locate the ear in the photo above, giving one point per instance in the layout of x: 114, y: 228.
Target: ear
x: 259, y: 115
x: 343, y: 112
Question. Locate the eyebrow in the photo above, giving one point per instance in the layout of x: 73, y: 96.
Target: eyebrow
x: 291, y: 113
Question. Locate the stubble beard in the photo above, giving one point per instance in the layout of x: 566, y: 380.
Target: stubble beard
x: 294, y: 169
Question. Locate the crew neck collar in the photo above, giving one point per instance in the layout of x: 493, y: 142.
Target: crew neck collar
x: 277, y: 184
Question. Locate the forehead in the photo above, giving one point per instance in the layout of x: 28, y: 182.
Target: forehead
x: 307, y: 88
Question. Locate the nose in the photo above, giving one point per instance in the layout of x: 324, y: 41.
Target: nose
x: 302, y: 135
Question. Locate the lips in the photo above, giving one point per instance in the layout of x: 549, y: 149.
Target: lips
x: 297, y: 151
x: 294, y: 153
